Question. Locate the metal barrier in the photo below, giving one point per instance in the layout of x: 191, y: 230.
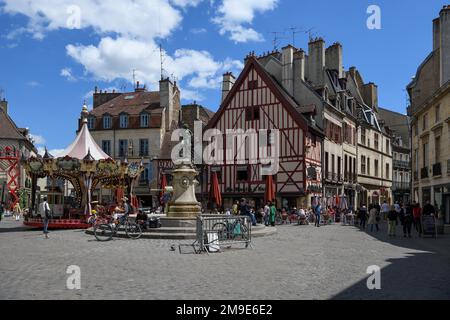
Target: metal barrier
x: 215, y: 232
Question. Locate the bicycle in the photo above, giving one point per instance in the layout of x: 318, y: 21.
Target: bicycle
x: 106, y: 231
x: 236, y: 230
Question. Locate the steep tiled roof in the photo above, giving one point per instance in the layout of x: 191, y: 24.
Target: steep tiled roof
x: 132, y: 103
x: 8, y: 129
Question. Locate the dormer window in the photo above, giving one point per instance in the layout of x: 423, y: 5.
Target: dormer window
x: 91, y: 123
x: 107, y: 122
x: 144, y: 117
x: 123, y: 121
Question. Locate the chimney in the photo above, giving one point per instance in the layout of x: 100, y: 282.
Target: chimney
x: 299, y: 65
x: 316, y: 61
x: 227, y: 85
x: 4, y: 106
x: 287, y: 75
x: 101, y: 97
x: 169, y: 100
x: 436, y: 34
x: 370, y: 95
x: 333, y: 59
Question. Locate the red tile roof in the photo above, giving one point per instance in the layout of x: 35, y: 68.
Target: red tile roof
x: 132, y: 103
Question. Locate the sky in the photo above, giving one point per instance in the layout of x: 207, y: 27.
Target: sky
x: 53, y: 53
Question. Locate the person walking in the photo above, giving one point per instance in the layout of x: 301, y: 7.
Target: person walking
x: 417, y: 218
x: 392, y: 221
x: 373, y: 215
x: 266, y: 214
x: 318, y: 211
x: 385, y: 210
x: 273, y: 213
x: 44, y: 211
x: 407, y: 220
x: 363, y: 217
x: 17, y: 211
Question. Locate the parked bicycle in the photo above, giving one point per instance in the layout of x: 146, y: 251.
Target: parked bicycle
x: 106, y: 231
x: 236, y: 230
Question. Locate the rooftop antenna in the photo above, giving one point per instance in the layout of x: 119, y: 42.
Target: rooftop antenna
x: 161, y: 56
x: 134, y: 78
x: 294, y: 31
x: 310, y: 33
x: 276, y: 37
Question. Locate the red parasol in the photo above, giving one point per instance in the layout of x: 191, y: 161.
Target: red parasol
x: 215, y: 195
x: 163, y: 187
x: 269, y: 194
x: 119, y: 194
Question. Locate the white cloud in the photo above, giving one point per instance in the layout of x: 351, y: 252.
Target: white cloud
x: 191, y: 96
x: 37, y: 139
x: 54, y: 152
x: 198, y: 30
x: 34, y: 84
x: 67, y: 73
x: 235, y: 16
x: 144, y: 19
x: 116, y: 58
x: 186, y: 3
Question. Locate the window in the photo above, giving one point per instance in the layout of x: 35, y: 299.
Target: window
x: 387, y: 171
x: 368, y: 166
x: 327, y: 162
x: 363, y: 136
x: 91, y: 123
x: 253, y: 84
x: 124, y: 121
x: 144, y: 178
x: 425, y: 154
x: 345, y: 165
x: 425, y: 122
x: 437, y: 149
x: 252, y: 113
x: 376, y: 141
x: 107, y: 122
x: 144, y: 120
x: 333, y: 164
x: 143, y: 147
x: 339, y: 172
x: 123, y: 148
x: 106, y: 146
x: 376, y: 167
x: 242, y: 175
x: 416, y: 129
x: 388, y: 151
x: 363, y: 165
x: 437, y: 112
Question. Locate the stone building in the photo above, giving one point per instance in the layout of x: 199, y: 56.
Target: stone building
x: 401, y: 154
x: 136, y: 125
x: 18, y: 139
x: 429, y: 110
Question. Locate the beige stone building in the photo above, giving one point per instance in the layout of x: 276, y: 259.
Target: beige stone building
x: 134, y: 126
x: 429, y: 110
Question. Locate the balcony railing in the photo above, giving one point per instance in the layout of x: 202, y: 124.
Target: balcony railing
x: 350, y: 177
x: 405, y: 186
x: 424, y: 173
x: 437, y: 169
x: 402, y: 164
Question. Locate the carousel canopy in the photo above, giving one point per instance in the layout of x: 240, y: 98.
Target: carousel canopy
x: 84, y: 145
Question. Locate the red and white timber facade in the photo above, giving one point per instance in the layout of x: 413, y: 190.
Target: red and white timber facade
x: 256, y: 101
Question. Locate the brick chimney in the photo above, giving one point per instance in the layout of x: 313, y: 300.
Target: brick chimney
x: 101, y: 97
x: 299, y: 65
x: 227, y: 84
x: 4, y: 105
x: 169, y: 97
x: 334, y: 59
x: 370, y: 95
x: 287, y: 74
x: 316, y: 61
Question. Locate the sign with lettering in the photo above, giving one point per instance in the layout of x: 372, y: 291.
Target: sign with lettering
x: 429, y: 225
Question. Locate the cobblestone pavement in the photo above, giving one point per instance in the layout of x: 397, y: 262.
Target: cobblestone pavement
x: 299, y: 262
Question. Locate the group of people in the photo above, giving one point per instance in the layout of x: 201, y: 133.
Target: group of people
x: 16, y: 212
x: 409, y: 215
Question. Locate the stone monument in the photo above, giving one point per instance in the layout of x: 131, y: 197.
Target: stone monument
x: 184, y: 203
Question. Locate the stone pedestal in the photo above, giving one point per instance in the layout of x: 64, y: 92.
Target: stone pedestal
x: 184, y: 203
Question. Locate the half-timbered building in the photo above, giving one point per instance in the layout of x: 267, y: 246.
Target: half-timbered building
x: 257, y: 101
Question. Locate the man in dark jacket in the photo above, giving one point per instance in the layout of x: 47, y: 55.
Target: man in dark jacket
x: 407, y: 220
x: 428, y: 209
x: 392, y: 221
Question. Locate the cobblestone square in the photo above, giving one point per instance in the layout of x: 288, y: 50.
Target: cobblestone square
x: 299, y: 262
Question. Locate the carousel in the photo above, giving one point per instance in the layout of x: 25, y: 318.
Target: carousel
x: 86, y: 167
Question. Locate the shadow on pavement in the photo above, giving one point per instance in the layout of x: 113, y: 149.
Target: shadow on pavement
x: 424, y: 272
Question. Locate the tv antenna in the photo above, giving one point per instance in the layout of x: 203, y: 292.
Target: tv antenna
x: 276, y: 36
x: 294, y: 31
x: 310, y: 33
x: 162, y: 59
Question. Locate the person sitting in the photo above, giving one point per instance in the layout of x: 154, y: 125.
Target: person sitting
x: 302, y: 218
x: 142, y: 218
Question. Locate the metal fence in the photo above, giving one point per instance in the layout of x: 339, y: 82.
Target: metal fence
x: 216, y: 232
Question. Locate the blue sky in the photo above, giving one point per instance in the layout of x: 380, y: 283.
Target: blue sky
x: 52, y: 55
